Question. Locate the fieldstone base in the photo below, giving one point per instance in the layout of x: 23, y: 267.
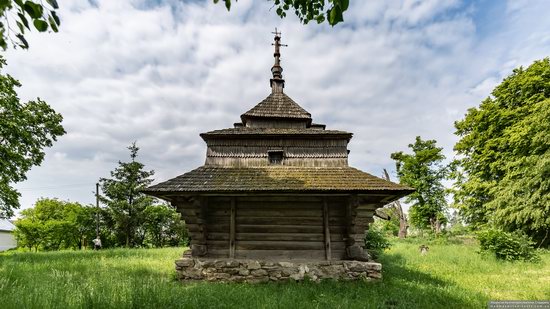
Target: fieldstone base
x: 256, y: 271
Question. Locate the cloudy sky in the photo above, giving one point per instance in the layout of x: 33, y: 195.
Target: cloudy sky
x: 161, y: 72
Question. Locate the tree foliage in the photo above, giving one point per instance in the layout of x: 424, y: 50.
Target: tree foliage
x: 503, y: 176
x: 424, y: 171
x: 164, y: 226
x: 125, y: 202
x: 20, y: 16
x: 320, y: 11
x: 25, y: 130
x: 53, y: 224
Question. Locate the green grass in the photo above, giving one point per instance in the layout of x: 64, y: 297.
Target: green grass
x: 450, y: 276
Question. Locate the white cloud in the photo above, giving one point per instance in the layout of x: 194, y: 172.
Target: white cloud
x: 121, y: 71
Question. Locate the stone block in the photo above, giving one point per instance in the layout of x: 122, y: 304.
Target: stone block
x: 256, y: 271
x: 286, y: 264
x: 253, y: 265
x: 355, y: 266
x: 374, y: 274
x: 185, y: 262
x: 259, y: 272
x: 374, y: 266
x: 231, y: 264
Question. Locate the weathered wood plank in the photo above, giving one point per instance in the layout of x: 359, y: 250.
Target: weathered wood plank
x: 218, y: 236
x: 279, y: 245
x: 291, y: 204
x: 364, y: 212
x: 218, y: 219
x: 218, y: 253
x: 220, y: 213
x: 272, y: 199
x: 280, y: 213
x: 281, y: 254
x: 326, y: 227
x: 232, y: 225
x: 337, y: 229
x: 277, y: 236
x: 249, y: 228
x: 280, y: 220
x: 338, y: 254
x: 187, y: 213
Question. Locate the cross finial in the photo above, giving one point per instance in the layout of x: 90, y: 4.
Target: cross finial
x: 276, y: 33
x: 277, y: 82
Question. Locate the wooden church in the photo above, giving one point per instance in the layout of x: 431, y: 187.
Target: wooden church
x: 277, y: 186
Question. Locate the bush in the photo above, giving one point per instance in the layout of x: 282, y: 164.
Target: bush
x: 507, y: 246
x: 376, y: 242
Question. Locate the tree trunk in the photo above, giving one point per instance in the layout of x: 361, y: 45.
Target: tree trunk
x: 403, y: 223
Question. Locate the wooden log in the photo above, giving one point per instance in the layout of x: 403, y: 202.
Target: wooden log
x: 277, y: 236
x: 281, y: 254
x: 249, y: 228
x: 213, y: 220
x: 280, y: 220
x: 291, y: 204
x: 279, y: 245
x: 338, y: 254
x: 217, y: 253
x: 189, y: 212
x: 218, y: 244
x: 365, y: 213
x: 297, y: 212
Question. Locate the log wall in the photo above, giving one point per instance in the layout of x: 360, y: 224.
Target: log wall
x: 275, y: 227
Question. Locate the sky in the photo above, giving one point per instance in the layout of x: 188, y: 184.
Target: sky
x: 161, y: 72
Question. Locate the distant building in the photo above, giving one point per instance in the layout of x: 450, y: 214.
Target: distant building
x: 7, y: 239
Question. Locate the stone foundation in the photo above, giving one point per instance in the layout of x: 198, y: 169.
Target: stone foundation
x: 255, y: 271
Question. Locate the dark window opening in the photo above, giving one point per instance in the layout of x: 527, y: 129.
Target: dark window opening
x: 275, y: 156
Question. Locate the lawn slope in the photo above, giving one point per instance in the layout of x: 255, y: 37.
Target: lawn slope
x: 450, y: 276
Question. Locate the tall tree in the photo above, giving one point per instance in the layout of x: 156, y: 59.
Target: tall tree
x: 25, y: 130
x: 124, y: 200
x: 424, y: 171
x: 503, y: 175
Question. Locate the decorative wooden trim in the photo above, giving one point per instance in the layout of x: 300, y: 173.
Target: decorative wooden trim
x: 232, y: 228
x: 328, y: 249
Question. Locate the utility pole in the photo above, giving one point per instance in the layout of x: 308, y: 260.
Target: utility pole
x: 97, y: 211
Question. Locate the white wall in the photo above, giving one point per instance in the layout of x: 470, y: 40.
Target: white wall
x: 7, y: 241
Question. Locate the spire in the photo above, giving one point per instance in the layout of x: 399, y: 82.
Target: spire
x: 277, y: 82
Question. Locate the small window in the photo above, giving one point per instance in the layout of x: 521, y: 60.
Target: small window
x: 275, y: 157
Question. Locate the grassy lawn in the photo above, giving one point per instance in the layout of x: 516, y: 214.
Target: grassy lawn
x: 450, y: 276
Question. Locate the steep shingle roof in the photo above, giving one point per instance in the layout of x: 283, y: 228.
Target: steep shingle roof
x: 280, y: 179
x: 277, y: 105
x: 287, y: 132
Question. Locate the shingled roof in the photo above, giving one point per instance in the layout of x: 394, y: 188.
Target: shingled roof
x: 271, y: 179
x: 287, y: 132
x: 277, y: 105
